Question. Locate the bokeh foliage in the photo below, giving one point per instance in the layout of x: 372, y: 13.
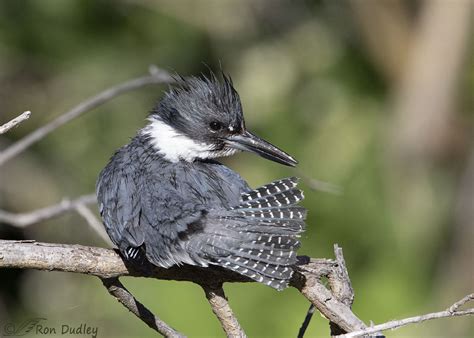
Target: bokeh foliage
x: 307, y: 83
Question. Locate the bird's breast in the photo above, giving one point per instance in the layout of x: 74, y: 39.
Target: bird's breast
x: 206, y: 183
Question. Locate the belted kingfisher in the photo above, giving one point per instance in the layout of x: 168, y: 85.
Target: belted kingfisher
x: 163, y: 196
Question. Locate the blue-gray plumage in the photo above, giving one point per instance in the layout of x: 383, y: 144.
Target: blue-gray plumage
x: 164, y: 197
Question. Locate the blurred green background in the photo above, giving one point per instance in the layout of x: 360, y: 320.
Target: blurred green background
x: 372, y: 96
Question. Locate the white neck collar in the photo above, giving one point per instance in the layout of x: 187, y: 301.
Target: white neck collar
x: 173, y: 145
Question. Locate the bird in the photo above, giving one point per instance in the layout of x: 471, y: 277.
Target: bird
x: 166, y: 198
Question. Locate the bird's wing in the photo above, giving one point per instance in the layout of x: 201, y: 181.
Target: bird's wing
x: 169, y: 214
x: 175, y: 204
x: 158, y: 207
x: 120, y: 208
x: 147, y: 213
x: 259, y: 237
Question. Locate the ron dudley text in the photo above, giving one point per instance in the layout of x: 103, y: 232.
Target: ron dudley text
x: 66, y: 329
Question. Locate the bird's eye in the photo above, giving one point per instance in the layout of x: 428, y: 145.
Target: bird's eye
x: 215, y: 126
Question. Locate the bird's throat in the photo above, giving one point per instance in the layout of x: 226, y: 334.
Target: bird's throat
x: 173, y: 145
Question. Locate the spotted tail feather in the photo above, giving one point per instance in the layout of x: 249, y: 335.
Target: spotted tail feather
x: 259, y: 237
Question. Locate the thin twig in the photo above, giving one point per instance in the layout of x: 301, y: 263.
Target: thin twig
x: 218, y: 301
x: 22, y: 220
x: 13, y: 123
x: 306, y: 321
x: 452, y: 311
x: 156, y: 77
x: 116, y: 289
x: 93, y: 222
x: 455, y: 307
x: 319, y: 185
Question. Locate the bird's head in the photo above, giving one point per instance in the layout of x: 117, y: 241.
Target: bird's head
x: 201, y: 118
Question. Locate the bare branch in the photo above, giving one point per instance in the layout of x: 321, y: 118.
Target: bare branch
x: 13, y: 123
x: 106, y: 263
x: 218, y: 301
x: 318, y: 185
x: 341, y: 289
x: 93, y: 222
x: 452, y: 311
x: 157, y: 76
x: 22, y: 220
x: 339, y: 279
x: 309, y: 283
x: 306, y: 321
x: 455, y: 307
x: 119, y: 291
x: 340, y: 285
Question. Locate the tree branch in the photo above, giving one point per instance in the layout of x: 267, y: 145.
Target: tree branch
x: 339, y: 280
x: 330, y: 306
x: 106, y: 263
x: 93, y: 222
x: 157, y: 76
x: 218, y: 301
x: 452, y: 311
x: 22, y: 220
x: 341, y: 287
x: 119, y: 291
x: 306, y: 321
x: 13, y: 123
x: 341, y: 292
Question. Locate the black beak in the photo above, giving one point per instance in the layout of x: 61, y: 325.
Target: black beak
x: 250, y: 142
